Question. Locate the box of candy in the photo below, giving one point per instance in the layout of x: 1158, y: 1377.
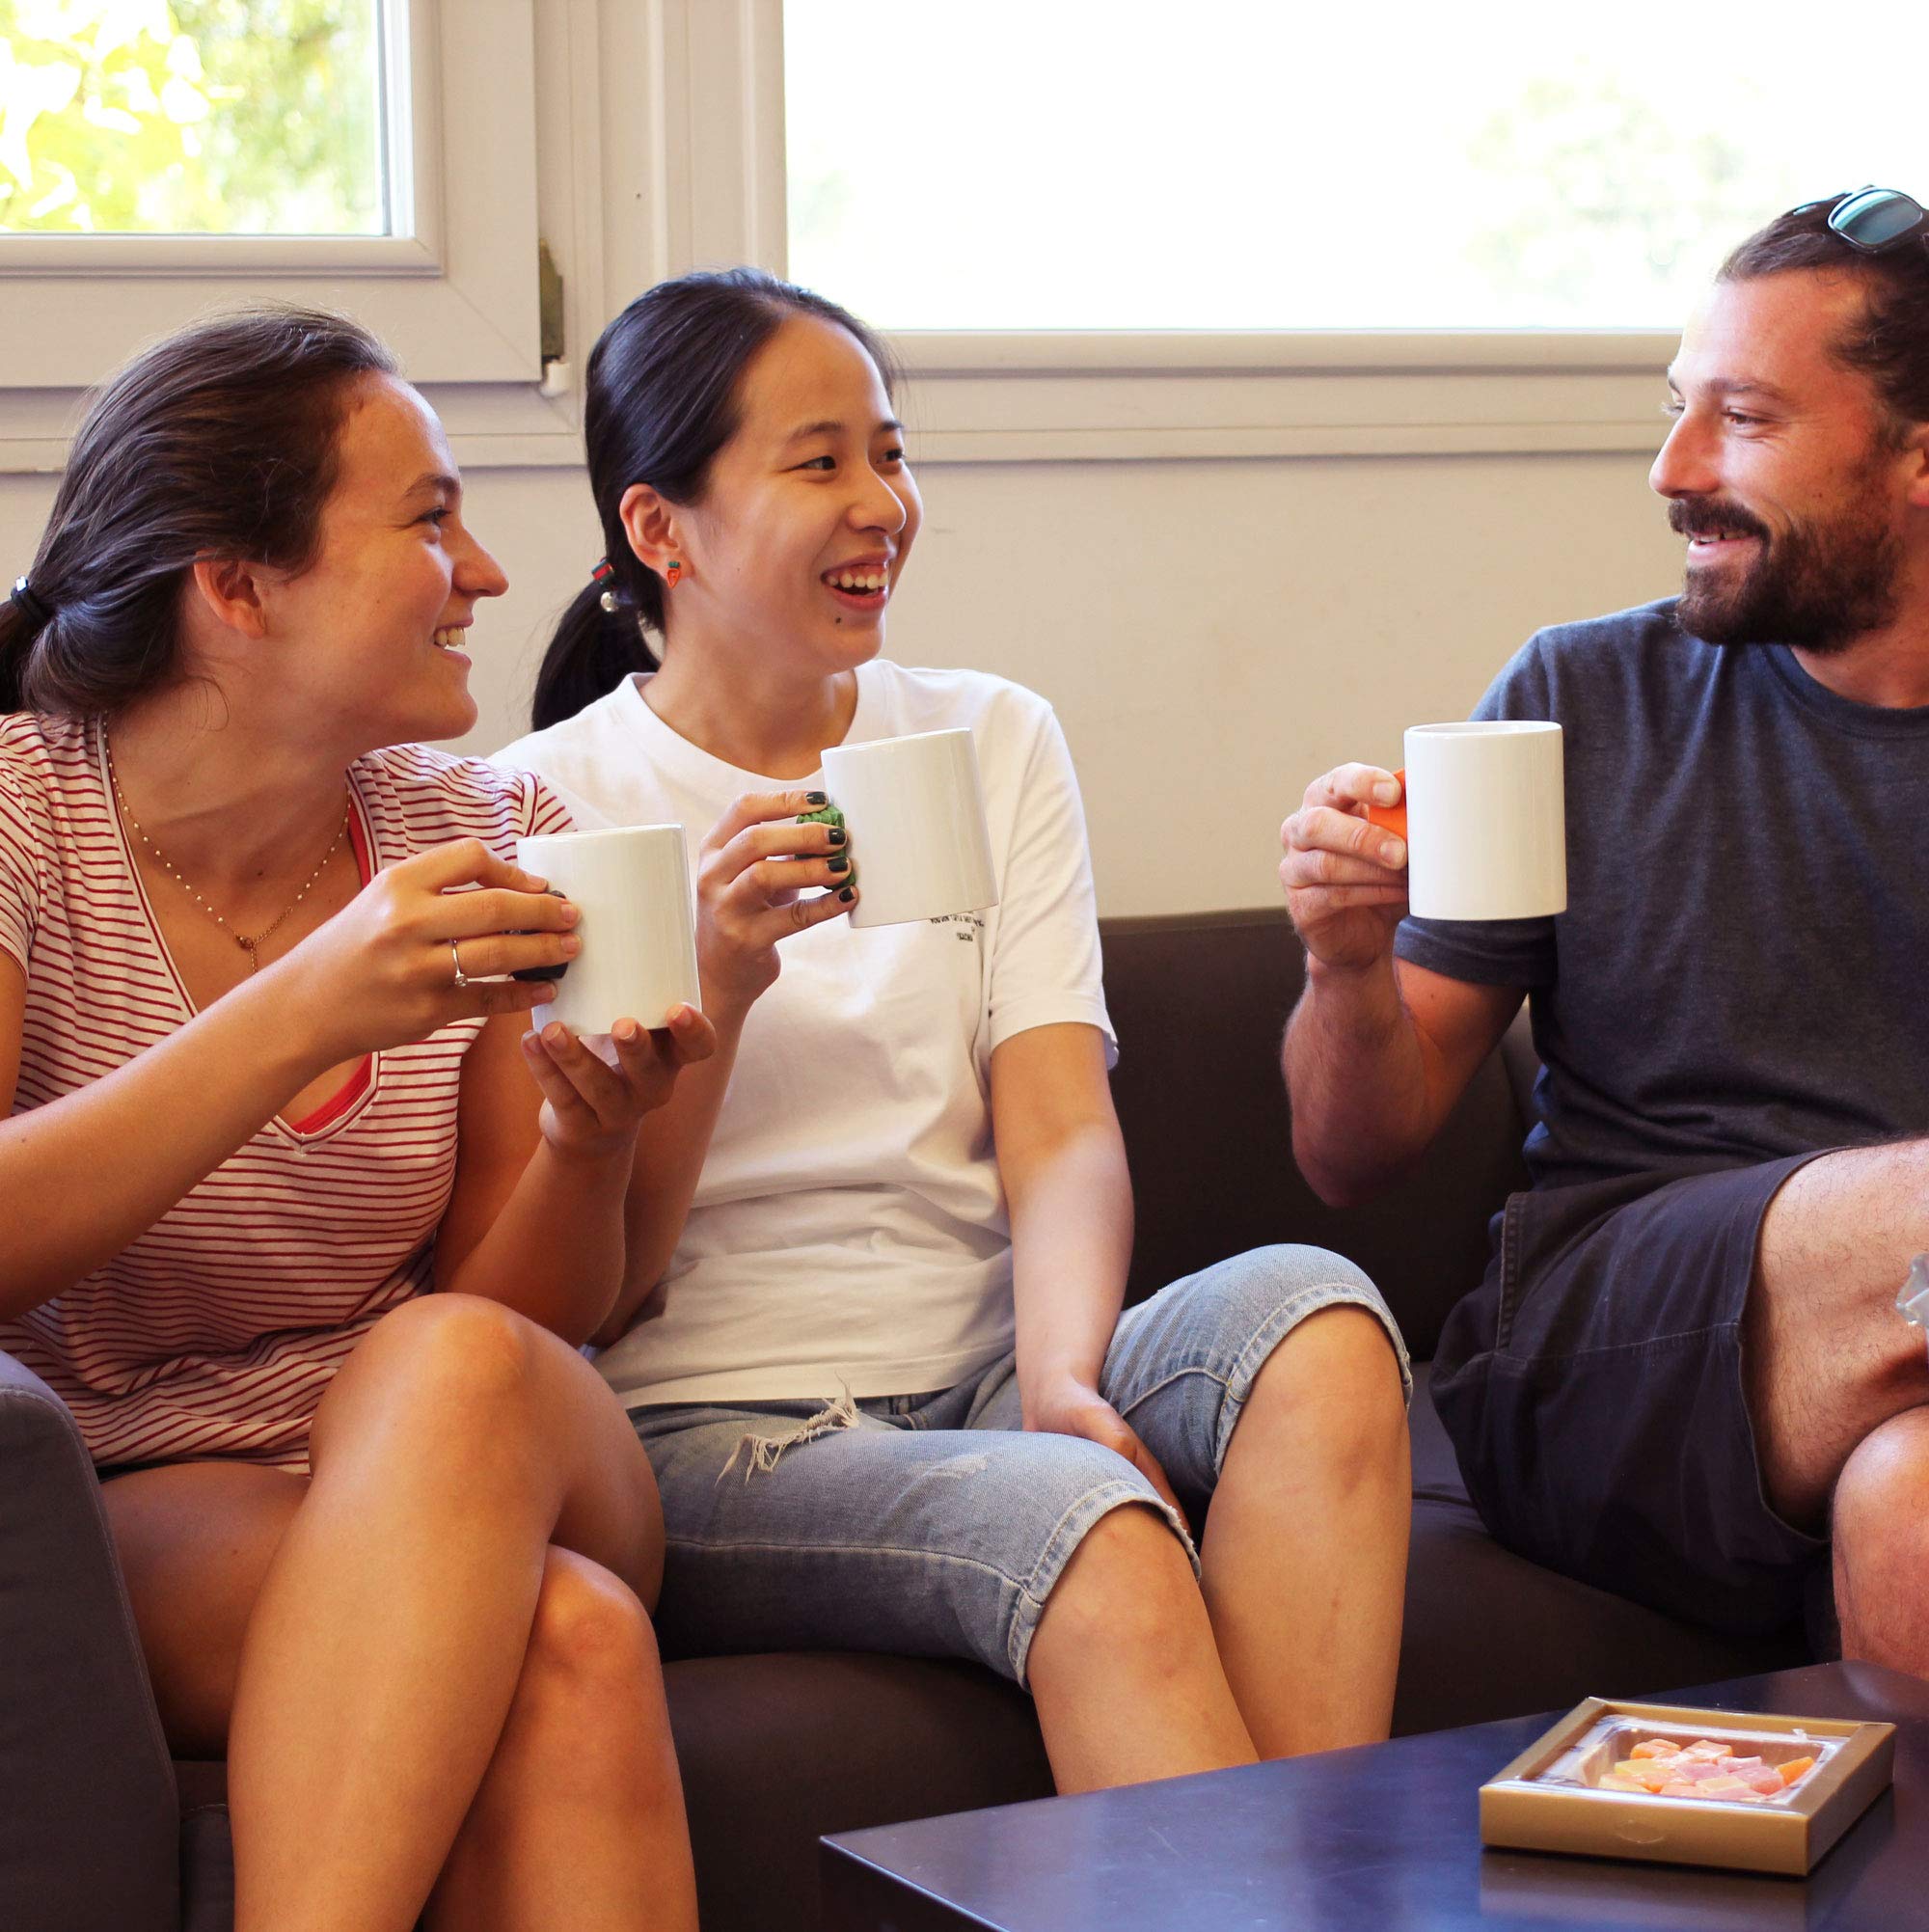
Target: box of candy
x: 1747, y: 1790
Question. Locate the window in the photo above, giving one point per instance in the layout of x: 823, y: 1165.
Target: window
x: 195, y: 118
x: 1245, y: 165
x: 375, y: 155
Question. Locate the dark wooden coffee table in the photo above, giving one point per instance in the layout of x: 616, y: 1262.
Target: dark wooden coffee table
x: 1377, y: 1839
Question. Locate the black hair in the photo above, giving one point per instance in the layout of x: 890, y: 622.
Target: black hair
x: 1889, y: 342
x: 662, y: 401
x: 219, y: 440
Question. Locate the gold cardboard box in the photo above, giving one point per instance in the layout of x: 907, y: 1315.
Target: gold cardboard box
x: 1550, y: 1798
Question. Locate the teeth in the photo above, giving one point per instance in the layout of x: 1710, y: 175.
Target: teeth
x: 857, y: 580
x: 448, y: 638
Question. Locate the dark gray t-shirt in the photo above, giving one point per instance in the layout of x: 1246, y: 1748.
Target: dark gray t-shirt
x: 1743, y: 970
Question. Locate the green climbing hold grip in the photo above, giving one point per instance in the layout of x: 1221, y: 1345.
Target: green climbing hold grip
x: 830, y: 815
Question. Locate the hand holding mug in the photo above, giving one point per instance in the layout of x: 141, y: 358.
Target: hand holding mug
x: 754, y: 872
x: 412, y: 951
x: 1344, y: 874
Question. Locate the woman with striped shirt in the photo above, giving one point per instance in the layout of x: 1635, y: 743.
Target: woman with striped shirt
x: 388, y: 1549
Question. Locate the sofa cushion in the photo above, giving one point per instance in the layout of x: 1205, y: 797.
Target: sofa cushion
x: 88, y: 1839
x: 1199, y: 1002
x: 779, y: 1748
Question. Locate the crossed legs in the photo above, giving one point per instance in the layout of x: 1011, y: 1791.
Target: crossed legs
x: 429, y: 1663
x: 1838, y: 1386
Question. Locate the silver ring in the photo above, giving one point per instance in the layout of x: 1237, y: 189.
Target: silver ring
x: 461, y: 977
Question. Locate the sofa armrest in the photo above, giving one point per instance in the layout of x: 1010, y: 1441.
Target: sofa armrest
x: 89, y: 1821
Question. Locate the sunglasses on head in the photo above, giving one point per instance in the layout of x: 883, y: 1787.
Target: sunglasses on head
x: 1874, y: 219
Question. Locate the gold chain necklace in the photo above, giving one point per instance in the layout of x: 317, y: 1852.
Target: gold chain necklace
x: 250, y: 947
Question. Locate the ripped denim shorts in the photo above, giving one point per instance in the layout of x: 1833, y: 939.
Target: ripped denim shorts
x: 933, y: 1524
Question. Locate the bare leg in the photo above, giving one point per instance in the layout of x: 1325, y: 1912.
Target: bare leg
x: 579, y: 1820
x: 1882, y: 1545
x: 382, y: 1613
x: 1122, y: 1666
x: 1304, y: 1557
x: 194, y: 1540
x: 1827, y: 1358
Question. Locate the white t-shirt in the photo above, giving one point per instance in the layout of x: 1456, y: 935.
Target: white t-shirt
x: 850, y: 1230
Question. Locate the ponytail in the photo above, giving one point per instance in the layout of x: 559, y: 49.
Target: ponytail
x: 16, y: 638
x: 592, y: 652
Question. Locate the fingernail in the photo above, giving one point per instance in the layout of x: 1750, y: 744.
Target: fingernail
x: 571, y: 911
x: 627, y: 1030
x: 555, y: 1033
x: 529, y: 1038
x: 1394, y: 851
x: 817, y: 798
x: 838, y: 835
x: 838, y: 864
x: 571, y: 944
x: 847, y: 895
x: 1387, y: 792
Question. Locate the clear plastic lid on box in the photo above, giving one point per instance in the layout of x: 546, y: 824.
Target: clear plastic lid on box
x: 1729, y: 1764
x: 1913, y: 1301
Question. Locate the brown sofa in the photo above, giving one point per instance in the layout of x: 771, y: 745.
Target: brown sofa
x: 97, y: 1830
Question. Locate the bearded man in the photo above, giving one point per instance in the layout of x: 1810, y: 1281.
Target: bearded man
x: 1685, y: 1378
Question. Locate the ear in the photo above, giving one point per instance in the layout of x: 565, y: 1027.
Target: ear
x: 231, y: 593
x: 651, y: 523
x: 1916, y: 456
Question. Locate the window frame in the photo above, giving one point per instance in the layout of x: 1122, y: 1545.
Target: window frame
x: 455, y: 297
x: 1054, y: 395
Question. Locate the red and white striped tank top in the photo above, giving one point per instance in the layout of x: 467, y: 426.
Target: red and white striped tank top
x: 216, y: 1332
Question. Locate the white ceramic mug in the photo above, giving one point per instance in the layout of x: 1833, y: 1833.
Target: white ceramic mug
x: 1484, y: 820
x: 915, y: 810
x: 638, y: 924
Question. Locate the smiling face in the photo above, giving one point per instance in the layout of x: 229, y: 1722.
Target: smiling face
x: 1781, y: 470
x: 808, y: 516
x: 374, y: 628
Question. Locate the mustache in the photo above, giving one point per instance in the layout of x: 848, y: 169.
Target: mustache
x: 1702, y: 516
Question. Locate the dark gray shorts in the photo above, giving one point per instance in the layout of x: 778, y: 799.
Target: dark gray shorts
x: 1593, y: 1387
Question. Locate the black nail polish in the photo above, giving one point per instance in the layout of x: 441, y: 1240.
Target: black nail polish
x: 839, y: 834
x: 817, y: 798
x: 847, y: 895
x: 838, y: 864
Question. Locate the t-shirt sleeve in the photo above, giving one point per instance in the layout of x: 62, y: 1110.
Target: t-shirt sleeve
x: 1045, y: 967
x: 1493, y: 952
x: 21, y: 859
x: 542, y: 806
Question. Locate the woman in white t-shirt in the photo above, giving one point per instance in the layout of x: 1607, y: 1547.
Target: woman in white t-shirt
x: 302, y: 1223
x: 879, y: 1243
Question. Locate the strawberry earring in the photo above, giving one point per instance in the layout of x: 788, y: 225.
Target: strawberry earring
x: 672, y: 570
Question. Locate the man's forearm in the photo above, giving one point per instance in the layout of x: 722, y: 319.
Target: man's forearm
x: 1355, y: 1067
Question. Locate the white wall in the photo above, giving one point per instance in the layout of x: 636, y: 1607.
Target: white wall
x: 1214, y: 633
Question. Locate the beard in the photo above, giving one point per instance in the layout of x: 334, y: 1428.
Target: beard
x: 1817, y: 587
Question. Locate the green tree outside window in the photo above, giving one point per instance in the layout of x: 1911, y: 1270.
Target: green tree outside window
x: 191, y: 117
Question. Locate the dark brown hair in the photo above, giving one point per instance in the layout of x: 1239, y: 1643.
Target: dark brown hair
x: 661, y: 403
x: 1889, y: 342
x: 218, y: 441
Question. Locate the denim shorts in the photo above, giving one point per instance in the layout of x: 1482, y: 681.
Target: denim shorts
x: 932, y: 1524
